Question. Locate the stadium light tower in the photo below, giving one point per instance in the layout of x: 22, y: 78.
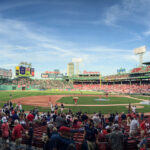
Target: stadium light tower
x: 77, y: 61
x: 140, y: 51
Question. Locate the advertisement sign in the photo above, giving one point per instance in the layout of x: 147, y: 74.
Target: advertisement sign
x: 17, y: 67
x: 140, y: 50
x: 44, y: 75
x: 32, y: 71
x: 28, y: 72
x: 22, y: 70
x: 85, y: 72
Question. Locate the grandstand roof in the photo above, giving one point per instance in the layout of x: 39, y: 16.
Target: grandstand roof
x: 146, y: 63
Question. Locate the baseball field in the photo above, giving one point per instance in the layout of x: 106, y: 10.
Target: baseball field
x: 88, y: 101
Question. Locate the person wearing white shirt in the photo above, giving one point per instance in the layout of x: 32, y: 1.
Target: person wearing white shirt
x: 20, y: 107
x: 134, y: 125
x: 116, y: 118
x: 133, y: 109
x: 96, y: 119
x: 52, y: 108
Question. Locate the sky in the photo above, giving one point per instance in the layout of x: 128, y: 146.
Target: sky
x: 49, y: 33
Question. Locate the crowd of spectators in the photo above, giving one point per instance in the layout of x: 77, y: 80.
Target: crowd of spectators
x: 117, y: 88
x: 59, y: 130
x: 41, y: 83
x: 62, y: 84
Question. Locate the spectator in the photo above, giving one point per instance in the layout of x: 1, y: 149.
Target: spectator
x: 123, y: 118
x: 17, y: 134
x: 5, y: 133
x: 142, y: 116
x: 30, y: 135
x: 59, y: 121
x: 15, y: 116
x: 84, y: 117
x: 116, y: 118
x: 45, y: 140
x: 90, y: 136
x: 143, y: 127
x: 20, y: 107
x: 62, y: 141
x: 96, y: 119
x: 128, y: 121
x: 143, y: 143
x: 30, y: 117
x: 116, y: 138
x: 134, y: 127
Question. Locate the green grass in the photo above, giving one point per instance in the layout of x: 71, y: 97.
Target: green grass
x: 91, y: 110
x: 141, y: 97
x: 91, y: 100
x: 104, y: 110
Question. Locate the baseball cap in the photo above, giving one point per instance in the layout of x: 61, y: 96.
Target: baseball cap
x: 64, y: 129
x: 4, y: 119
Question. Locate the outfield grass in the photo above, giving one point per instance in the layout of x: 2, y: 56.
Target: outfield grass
x: 92, y: 100
x: 141, y: 97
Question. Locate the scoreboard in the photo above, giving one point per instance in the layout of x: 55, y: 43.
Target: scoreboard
x: 22, y: 71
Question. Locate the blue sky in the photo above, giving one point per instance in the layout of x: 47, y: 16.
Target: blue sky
x: 49, y: 33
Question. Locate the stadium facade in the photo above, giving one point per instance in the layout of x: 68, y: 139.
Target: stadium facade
x: 86, y: 81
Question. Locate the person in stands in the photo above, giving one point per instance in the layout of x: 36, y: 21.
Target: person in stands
x: 143, y: 142
x: 5, y: 133
x: 30, y: 117
x: 134, y: 125
x: 30, y: 135
x: 123, y: 117
x: 90, y: 136
x: 143, y: 127
x: 17, y: 134
x: 62, y: 141
x: 116, y: 138
x: 15, y: 116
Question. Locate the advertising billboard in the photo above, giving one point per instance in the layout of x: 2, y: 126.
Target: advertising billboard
x: 32, y: 72
x: 44, y: 75
x: 24, y: 71
x: 140, y: 50
x: 28, y: 73
x: 121, y: 70
x: 17, y: 70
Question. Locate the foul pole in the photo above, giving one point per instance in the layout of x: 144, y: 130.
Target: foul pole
x: 100, y: 81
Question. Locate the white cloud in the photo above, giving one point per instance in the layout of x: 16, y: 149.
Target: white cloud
x: 147, y: 33
x: 135, y: 11
x: 106, y: 49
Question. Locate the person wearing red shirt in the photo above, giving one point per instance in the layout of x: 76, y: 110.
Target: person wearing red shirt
x: 143, y: 127
x: 30, y: 117
x: 5, y: 132
x: 17, y: 133
x: 128, y: 115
